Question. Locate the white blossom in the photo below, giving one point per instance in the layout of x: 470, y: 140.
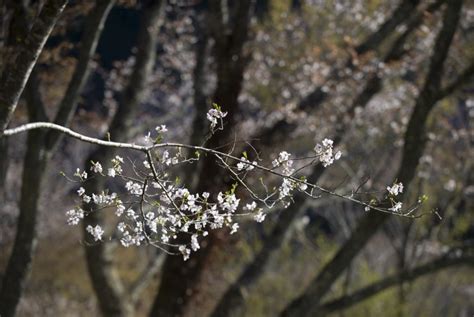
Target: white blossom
x: 302, y: 186
x: 213, y: 115
x: 245, y: 165
x: 165, y: 238
x: 111, y: 172
x: 161, y: 128
x: 121, y: 226
x: 147, y: 139
x: 396, y: 207
x: 194, y: 243
x: 120, y: 209
x: 96, y: 232
x: 283, y: 156
x: 284, y: 161
x: 259, y: 216
x: 326, y: 153
x: 81, y: 191
x: 235, y: 227
x: 82, y: 175
x: 134, y: 188
x: 74, y: 216
x: 96, y: 167
x: 396, y: 189
x: 184, y: 251
x: 251, y: 206
x: 86, y: 199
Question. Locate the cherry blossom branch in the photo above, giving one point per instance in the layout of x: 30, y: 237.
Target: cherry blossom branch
x: 71, y: 133
x: 147, y: 148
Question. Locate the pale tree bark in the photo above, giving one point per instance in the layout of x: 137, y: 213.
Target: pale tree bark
x: 35, y: 162
x: 111, y: 294
x: 415, y: 140
x: 233, y: 300
x: 23, y: 58
x: 180, y: 280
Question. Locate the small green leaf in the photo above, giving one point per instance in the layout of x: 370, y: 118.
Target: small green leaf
x: 234, y: 186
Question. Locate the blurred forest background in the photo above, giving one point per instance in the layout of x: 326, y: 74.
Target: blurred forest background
x: 390, y: 81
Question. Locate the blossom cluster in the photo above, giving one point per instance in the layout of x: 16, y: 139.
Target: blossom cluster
x: 215, y: 115
x: 153, y: 209
x: 395, y: 190
x: 326, y: 153
x: 174, y: 210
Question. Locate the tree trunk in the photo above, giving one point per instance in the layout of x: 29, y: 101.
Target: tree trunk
x: 180, y: 280
x: 415, y: 141
x: 233, y: 300
x: 16, y: 74
x: 19, y: 264
x: 446, y: 261
x: 36, y: 158
x: 105, y: 280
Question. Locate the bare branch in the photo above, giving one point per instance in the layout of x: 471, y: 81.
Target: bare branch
x: 399, y: 15
x: 457, y: 83
x: 93, y: 29
x: 69, y: 132
x: 152, y: 268
x: 448, y: 260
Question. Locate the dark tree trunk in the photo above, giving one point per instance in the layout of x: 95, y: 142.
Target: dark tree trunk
x: 19, y: 264
x: 35, y: 163
x: 270, y: 135
x: 4, y: 162
x: 297, y: 5
x: 180, y: 281
x: 105, y: 280
x: 262, y: 9
x: 16, y: 74
x: 233, y: 300
x: 415, y: 141
x: 466, y: 257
